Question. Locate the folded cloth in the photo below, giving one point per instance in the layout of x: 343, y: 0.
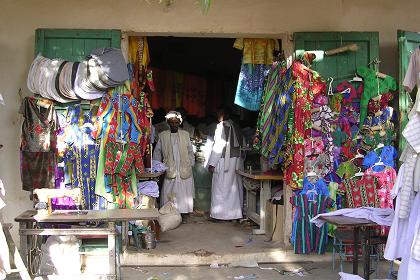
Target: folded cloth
x: 149, y: 188
x: 348, y: 276
x: 157, y: 166
x: 381, y: 216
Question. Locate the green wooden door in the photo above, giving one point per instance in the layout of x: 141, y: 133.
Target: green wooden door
x: 74, y: 44
x: 340, y: 66
x: 407, y: 42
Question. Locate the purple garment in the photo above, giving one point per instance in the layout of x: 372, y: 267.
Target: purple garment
x: 149, y: 188
x: 62, y: 203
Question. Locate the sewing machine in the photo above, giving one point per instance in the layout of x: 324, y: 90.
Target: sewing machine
x: 44, y: 195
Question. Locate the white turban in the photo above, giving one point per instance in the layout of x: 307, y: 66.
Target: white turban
x: 174, y: 114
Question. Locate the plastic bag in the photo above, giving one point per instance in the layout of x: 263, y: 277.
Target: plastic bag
x: 60, y: 255
x: 170, y: 218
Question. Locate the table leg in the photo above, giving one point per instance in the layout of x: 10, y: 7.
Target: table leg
x: 265, y: 194
x: 124, y: 235
x: 23, y: 249
x: 366, y: 255
x: 112, y: 252
x: 356, y: 238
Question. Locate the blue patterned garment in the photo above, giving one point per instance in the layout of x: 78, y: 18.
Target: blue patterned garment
x: 251, y: 86
x: 80, y: 167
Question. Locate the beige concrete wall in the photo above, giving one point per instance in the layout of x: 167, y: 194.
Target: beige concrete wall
x: 227, y: 18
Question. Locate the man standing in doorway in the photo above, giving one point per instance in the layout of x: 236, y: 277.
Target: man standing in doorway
x: 225, y: 159
x: 174, y: 148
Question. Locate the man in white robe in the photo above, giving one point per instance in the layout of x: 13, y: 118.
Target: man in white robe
x: 174, y: 149
x: 225, y: 159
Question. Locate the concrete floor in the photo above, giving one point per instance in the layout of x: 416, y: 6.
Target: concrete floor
x: 201, y: 242
x: 188, y: 251
x: 314, y: 271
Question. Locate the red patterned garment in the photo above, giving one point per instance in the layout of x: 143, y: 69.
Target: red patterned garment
x: 386, y: 180
x: 361, y: 191
x: 308, y: 85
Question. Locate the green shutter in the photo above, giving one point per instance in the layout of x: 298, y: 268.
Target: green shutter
x: 407, y: 42
x: 340, y: 66
x: 74, y: 44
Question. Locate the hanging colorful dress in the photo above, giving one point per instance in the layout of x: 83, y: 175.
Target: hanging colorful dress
x: 256, y: 61
x: 307, y: 85
x: 38, y: 144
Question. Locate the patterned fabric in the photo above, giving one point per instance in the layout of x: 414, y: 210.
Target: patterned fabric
x: 138, y: 59
x: 266, y: 115
x: 347, y: 169
x: 118, y: 116
x: 322, y: 120
x: 38, y: 143
x: 276, y: 136
x: 37, y: 170
x: 313, y: 146
x: 319, y: 164
x: 388, y: 156
x: 386, y: 180
x: 361, y: 191
x: 308, y: 84
x: 308, y: 237
x: 39, y: 126
x: 378, y: 104
x: 333, y: 188
x: 258, y: 50
x: 81, y: 165
x: 119, y: 164
x: 251, y: 86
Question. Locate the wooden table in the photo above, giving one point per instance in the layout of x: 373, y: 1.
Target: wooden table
x: 150, y: 175
x: 29, y: 219
x: 253, y: 182
x: 356, y: 224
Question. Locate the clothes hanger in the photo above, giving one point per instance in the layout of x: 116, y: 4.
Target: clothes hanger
x: 380, y: 146
x: 311, y: 194
x: 358, y: 155
x: 331, y: 80
x: 312, y: 173
x: 358, y: 174
x: 356, y: 79
x: 380, y: 162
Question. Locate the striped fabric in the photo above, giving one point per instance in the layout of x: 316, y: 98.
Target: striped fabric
x: 267, y: 101
x: 276, y: 131
x: 308, y: 237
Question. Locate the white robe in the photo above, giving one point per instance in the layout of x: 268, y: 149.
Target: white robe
x: 226, y: 185
x: 181, y: 189
x: 410, y: 268
x: 395, y: 244
x: 226, y: 191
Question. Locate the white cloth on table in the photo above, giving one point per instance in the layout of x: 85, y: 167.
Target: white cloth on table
x: 149, y: 188
x: 410, y: 268
x: 181, y: 189
x: 380, y: 216
x: 226, y: 190
x: 397, y: 233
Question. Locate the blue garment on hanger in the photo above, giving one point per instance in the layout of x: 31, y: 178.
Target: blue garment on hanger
x: 320, y: 187
x: 387, y: 155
